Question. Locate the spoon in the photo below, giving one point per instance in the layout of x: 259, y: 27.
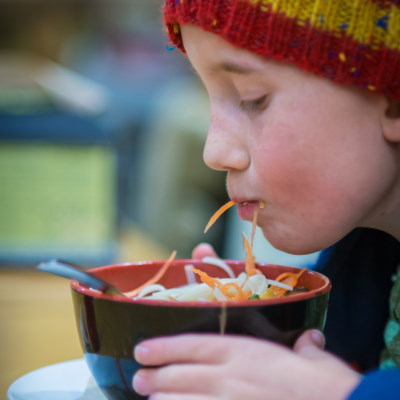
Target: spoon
x: 71, y: 271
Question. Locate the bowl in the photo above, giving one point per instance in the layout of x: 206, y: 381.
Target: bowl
x: 111, y: 325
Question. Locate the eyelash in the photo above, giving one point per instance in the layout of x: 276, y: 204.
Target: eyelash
x: 255, y: 105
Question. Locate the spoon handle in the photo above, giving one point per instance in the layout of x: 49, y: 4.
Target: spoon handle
x: 71, y: 271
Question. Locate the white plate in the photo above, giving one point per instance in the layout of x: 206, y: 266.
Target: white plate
x: 70, y: 380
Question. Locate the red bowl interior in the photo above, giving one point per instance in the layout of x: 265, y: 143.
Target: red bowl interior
x: 131, y: 275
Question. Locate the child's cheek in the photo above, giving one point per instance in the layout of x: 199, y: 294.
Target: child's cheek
x: 295, y: 175
x: 285, y: 160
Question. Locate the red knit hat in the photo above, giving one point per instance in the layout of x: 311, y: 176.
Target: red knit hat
x: 355, y: 42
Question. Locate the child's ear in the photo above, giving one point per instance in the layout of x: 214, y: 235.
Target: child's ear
x: 391, y: 123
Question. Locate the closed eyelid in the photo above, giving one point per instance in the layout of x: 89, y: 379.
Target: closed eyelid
x: 234, y: 68
x: 257, y: 104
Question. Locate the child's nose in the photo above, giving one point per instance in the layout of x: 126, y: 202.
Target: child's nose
x: 225, y: 147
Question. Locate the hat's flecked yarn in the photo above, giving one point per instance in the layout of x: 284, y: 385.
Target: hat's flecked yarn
x: 354, y: 42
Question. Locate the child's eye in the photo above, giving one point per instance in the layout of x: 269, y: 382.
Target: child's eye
x: 258, y: 104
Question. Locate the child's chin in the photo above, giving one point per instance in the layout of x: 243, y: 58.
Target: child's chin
x: 294, y: 244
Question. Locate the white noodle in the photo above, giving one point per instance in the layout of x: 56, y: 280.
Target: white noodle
x: 241, y: 279
x: 187, y: 293
x: 280, y: 284
x: 219, y: 295
x: 151, y: 289
x: 190, y: 275
x: 219, y: 263
x: 256, y: 284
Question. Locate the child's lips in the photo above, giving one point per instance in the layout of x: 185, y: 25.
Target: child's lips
x: 247, y: 208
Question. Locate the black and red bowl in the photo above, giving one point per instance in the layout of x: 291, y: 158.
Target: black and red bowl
x: 110, y: 325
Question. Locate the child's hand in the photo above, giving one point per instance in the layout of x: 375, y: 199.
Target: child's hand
x: 205, y: 367
x: 203, y: 250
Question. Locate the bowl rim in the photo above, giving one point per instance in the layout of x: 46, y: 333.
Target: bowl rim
x: 325, y: 288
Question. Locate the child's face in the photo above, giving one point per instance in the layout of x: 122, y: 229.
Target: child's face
x: 310, y: 149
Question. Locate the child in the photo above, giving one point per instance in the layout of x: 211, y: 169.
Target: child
x: 305, y: 118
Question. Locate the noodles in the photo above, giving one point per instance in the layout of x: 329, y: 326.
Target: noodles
x: 248, y: 285
x: 190, y: 275
x: 155, y: 278
x: 242, y: 287
x: 196, y: 292
x: 151, y: 289
x: 219, y: 263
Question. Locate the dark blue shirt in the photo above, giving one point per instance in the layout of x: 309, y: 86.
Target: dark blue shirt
x: 361, y: 267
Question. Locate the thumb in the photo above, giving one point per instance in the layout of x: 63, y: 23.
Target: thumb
x: 310, y: 344
x: 203, y: 250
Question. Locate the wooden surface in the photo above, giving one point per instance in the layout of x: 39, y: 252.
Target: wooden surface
x: 37, y: 325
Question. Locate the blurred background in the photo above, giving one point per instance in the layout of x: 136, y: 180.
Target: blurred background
x: 102, y: 125
x: 101, y: 130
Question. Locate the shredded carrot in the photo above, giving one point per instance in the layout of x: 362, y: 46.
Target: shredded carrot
x: 218, y: 213
x: 290, y: 279
x: 212, y: 282
x: 253, y: 228
x: 155, y: 278
x: 250, y: 266
x: 294, y: 277
x: 224, y: 288
x: 240, y: 294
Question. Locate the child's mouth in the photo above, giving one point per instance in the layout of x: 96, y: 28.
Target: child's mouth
x: 247, y: 208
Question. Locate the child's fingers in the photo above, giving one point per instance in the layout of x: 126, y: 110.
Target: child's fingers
x: 203, y: 250
x: 310, y: 344
x: 179, y: 396
x: 173, y: 379
x: 206, y: 349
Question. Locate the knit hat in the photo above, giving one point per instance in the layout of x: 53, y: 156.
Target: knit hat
x: 354, y: 42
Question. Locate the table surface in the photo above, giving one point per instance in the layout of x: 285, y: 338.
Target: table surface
x: 37, y: 323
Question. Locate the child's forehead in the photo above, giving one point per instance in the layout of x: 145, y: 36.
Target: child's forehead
x: 220, y: 55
